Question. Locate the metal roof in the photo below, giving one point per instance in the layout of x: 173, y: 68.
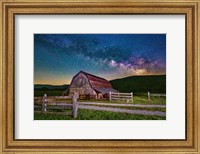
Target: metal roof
x: 105, y: 90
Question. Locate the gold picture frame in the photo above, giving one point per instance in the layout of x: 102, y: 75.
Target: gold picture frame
x: 9, y: 8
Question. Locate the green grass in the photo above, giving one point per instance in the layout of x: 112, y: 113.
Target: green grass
x: 144, y: 100
x: 97, y: 115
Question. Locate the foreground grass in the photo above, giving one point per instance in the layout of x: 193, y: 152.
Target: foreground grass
x: 97, y: 115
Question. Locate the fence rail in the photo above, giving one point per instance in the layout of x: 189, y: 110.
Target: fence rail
x: 52, y: 104
x: 63, y: 97
x: 120, y: 93
x: 128, y: 97
x: 158, y: 94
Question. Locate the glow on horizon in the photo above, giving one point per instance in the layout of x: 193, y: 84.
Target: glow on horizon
x: 61, y: 81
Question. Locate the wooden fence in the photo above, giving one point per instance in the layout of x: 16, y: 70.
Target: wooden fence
x: 87, y: 96
x: 53, y: 99
x: 156, y: 95
x: 50, y: 105
x: 128, y: 97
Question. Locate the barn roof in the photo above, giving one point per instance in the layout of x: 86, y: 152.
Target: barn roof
x: 91, y: 75
x: 105, y: 90
x: 95, y: 81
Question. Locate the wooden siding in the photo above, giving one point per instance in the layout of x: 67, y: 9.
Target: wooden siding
x: 81, y: 85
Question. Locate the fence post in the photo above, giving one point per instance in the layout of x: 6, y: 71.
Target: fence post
x: 132, y: 97
x: 159, y: 97
x: 149, y: 97
x: 44, y: 105
x: 75, y: 105
x: 110, y: 96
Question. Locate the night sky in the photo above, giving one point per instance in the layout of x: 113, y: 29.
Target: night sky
x: 58, y: 57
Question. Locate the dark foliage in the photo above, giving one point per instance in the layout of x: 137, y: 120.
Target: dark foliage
x: 141, y: 84
x: 40, y: 87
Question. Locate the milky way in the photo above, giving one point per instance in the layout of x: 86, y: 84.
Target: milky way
x: 58, y: 57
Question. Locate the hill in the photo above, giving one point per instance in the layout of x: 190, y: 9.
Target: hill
x: 141, y: 84
x: 43, y: 87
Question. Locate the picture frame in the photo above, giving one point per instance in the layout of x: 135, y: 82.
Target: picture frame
x: 7, y: 73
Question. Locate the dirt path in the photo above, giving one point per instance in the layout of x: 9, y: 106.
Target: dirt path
x: 143, y: 112
x: 90, y: 106
x: 126, y: 105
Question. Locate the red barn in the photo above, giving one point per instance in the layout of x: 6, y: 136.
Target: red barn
x: 89, y: 86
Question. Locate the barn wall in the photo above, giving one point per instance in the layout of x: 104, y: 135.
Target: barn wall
x: 81, y: 85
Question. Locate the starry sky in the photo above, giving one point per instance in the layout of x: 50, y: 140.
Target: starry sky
x: 58, y: 57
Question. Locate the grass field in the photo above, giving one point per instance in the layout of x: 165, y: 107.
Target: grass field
x: 97, y: 115
x: 85, y: 114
